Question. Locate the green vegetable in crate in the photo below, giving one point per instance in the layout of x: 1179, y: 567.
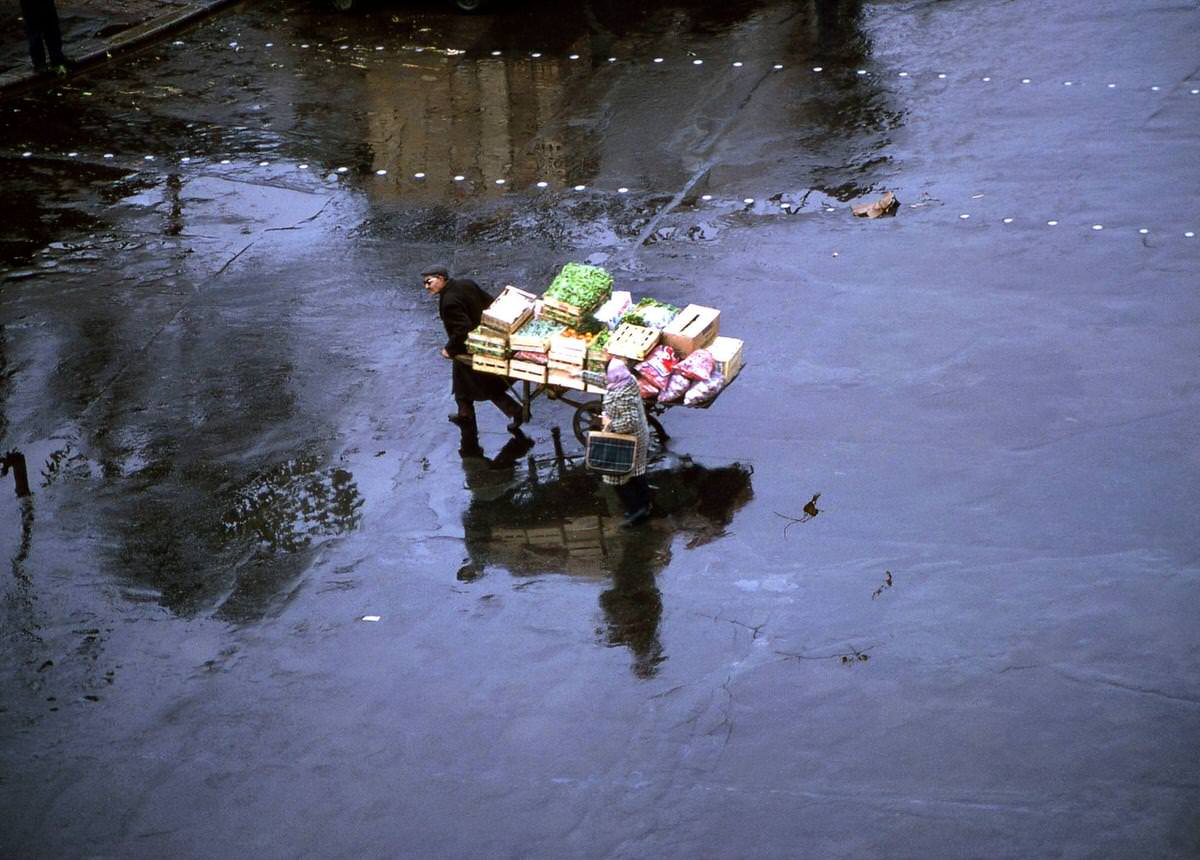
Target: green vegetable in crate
x: 581, y: 285
x: 650, y: 313
x: 540, y: 328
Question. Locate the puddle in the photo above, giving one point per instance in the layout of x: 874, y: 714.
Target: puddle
x: 556, y: 518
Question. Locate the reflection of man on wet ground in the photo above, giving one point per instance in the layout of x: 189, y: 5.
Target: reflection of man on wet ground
x: 461, y: 304
x: 633, y: 606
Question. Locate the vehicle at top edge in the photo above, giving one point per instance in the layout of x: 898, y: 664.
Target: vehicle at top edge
x: 468, y: 6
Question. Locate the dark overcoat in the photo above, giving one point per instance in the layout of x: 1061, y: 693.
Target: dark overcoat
x: 461, y: 304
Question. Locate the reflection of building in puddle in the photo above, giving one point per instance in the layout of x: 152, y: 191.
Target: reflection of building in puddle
x: 568, y: 523
x: 483, y: 119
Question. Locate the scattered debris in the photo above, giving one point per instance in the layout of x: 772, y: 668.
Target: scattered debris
x: 810, y: 510
x: 885, y: 205
x: 856, y: 657
x: 846, y: 659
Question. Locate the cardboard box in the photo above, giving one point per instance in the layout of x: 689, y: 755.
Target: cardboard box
x: 530, y: 371
x: 694, y: 328
x: 727, y: 353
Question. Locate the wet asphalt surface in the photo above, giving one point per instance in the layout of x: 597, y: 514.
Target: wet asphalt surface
x: 218, y: 361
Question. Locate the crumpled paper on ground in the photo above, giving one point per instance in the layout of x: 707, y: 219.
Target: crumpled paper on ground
x: 885, y: 205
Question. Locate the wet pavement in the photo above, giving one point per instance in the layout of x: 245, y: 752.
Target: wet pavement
x: 258, y: 605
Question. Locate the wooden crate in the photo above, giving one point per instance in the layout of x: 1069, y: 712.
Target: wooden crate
x: 524, y: 340
x: 568, y: 309
x: 568, y: 349
x: 488, y: 342
x: 570, y: 367
x: 560, y: 316
x: 727, y: 353
x: 530, y: 371
x: 511, y: 310
x: 632, y: 341
x: 488, y: 364
x: 564, y: 380
x: 693, y: 328
x: 597, y: 359
x: 591, y: 388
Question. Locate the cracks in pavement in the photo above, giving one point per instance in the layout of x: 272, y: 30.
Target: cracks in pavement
x: 754, y: 629
x: 853, y: 656
x: 309, y: 219
x: 1128, y: 688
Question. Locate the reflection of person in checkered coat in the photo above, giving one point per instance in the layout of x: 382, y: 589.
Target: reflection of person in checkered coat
x: 624, y: 413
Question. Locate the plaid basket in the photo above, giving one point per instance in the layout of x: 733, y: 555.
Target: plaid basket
x: 610, y: 453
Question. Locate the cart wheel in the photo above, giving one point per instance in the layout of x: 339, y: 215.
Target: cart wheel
x: 657, y: 427
x: 587, y: 417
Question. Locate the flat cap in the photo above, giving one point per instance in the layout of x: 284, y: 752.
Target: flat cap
x: 436, y: 270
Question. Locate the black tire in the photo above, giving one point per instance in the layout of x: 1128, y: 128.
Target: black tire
x: 657, y: 427
x: 587, y: 417
x: 471, y: 7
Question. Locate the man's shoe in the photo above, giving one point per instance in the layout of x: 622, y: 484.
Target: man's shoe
x: 456, y: 419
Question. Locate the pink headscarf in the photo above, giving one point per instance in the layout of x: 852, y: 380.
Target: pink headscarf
x: 618, y: 374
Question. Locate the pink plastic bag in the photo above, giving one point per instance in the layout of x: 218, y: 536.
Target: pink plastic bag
x: 702, y: 392
x: 677, y: 385
x: 657, y: 366
x: 699, y: 365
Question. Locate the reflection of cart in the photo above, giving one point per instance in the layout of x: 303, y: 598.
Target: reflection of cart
x: 589, y: 405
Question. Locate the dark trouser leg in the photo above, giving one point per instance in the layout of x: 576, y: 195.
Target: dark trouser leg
x: 511, y: 408
x: 33, y: 32
x: 52, y: 34
x: 635, y: 498
x: 466, y: 409
x: 641, y: 488
x: 625, y: 494
x: 469, y: 428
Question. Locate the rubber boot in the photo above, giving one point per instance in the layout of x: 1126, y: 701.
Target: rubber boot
x: 470, y: 437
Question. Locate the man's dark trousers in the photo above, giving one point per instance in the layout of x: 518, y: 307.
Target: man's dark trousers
x: 41, y: 27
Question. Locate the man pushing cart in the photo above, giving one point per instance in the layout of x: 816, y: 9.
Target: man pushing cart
x: 561, y: 344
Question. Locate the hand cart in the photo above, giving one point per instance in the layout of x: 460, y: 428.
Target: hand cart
x: 589, y: 405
